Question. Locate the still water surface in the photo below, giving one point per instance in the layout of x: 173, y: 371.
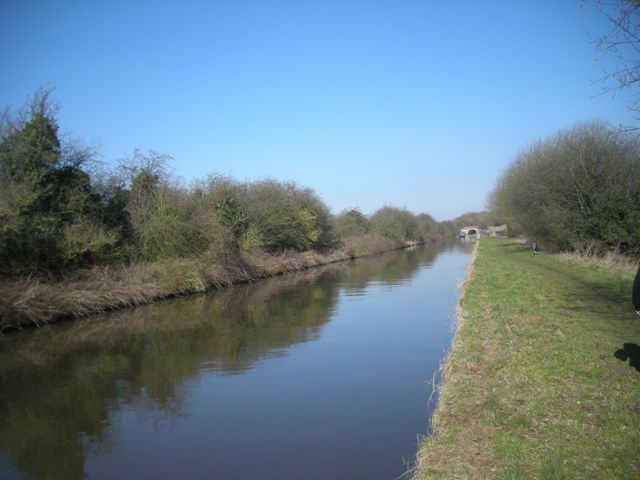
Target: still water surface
x: 318, y: 375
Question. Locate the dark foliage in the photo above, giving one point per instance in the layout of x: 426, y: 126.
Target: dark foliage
x: 579, y: 189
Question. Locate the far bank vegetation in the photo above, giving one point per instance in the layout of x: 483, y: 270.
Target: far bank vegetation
x: 77, y: 237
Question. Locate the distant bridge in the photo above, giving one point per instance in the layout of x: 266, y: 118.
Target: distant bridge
x: 469, y: 231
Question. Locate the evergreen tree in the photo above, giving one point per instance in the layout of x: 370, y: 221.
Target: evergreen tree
x: 43, y: 200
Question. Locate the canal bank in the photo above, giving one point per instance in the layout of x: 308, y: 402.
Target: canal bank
x: 542, y: 380
x: 33, y: 301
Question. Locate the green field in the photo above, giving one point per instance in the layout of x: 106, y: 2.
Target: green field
x: 542, y: 379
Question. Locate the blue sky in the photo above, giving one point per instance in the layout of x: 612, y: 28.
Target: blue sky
x: 416, y: 104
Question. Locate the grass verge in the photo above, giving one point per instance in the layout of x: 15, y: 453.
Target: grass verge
x: 542, y: 379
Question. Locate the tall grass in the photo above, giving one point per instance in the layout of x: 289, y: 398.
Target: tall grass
x: 26, y: 301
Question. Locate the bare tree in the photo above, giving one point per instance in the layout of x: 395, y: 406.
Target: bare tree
x: 623, y: 41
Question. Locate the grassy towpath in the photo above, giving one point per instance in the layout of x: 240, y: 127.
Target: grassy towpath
x: 543, y: 378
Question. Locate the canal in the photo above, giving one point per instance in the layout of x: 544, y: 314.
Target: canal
x: 323, y: 374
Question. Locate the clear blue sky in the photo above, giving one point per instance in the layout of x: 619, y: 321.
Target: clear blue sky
x: 417, y: 104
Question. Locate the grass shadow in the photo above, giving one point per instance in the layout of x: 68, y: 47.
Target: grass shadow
x: 629, y: 351
x: 515, y: 247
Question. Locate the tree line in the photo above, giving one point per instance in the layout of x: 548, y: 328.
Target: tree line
x: 578, y: 189
x: 61, y: 209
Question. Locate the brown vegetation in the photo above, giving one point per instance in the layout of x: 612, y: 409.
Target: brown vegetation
x: 35, y: 301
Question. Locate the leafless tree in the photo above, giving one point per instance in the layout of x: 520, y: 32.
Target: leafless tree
x: 622, y: 41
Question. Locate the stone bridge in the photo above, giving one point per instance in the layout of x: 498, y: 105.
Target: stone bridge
x: 469, y: 231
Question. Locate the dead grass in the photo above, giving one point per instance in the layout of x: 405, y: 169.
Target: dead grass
x: 36, y: 301
x: 610, y: 260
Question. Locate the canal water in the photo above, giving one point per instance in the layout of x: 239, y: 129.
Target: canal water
x: 322, y: 374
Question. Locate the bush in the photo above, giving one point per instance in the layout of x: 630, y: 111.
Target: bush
x: 43, y: 193
x: 273, y: 215
x: 579, y: 187
x: 399, y: 226
x: 158, y: 217
x: 351, y: 222
x: 59, y: 211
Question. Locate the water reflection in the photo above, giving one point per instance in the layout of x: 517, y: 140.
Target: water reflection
x: 64, y: 388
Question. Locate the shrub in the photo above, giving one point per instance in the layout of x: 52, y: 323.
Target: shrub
x: 351, y: 222
x: 280, y: 215
x: 579, y: 187
x: 43, y: 192
x: 396, y: 225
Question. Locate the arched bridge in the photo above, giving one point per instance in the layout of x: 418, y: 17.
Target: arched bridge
x: 469, y: 231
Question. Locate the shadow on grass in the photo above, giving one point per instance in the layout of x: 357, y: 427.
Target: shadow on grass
x: 602, y: 298
x: 516, y: 247
x: 629, y: 351
x: 605, y: 300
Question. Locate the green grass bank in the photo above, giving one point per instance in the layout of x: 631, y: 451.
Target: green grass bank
x: 542, y: 381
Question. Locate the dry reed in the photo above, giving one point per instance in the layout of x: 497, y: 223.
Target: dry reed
x: 36, y: 301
